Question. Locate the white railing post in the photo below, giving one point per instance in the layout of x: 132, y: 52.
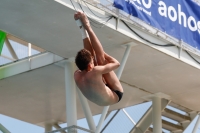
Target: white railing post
x: 29, y: 49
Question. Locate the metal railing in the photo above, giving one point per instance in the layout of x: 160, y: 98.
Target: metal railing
x: 15, y: 49
x: 144, y: 26
x: 72, y: 129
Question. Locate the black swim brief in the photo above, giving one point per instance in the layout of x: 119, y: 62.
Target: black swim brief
x: 119, y: 94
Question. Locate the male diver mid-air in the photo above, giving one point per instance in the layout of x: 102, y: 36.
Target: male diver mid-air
x: 95, y: 77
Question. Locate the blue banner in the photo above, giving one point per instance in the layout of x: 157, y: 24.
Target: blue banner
x: 178, y: 18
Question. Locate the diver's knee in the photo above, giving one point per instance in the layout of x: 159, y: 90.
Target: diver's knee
x: 101, y: 61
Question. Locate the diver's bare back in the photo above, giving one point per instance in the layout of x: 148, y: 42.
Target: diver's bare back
x: 93, y: 88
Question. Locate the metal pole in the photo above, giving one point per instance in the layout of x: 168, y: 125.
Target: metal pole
x: 87, y: 111
x: 10, y: 48
x: 58, y: 127
x: 157, y: 126
x: 70, y: 96
x: 110, y: 120
x: 129, y: 116
x: 119, y: 73
x: 103, y: 115
x: 196, y: 125
x: 3, y: 129
x: 123, y: 62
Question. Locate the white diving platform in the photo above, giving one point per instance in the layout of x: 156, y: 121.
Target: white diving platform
x: 34, y: 90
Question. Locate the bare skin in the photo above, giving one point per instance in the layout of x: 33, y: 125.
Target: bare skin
x: 91, y: 81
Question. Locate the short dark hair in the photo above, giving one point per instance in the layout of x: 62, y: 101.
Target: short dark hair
x: 83, y: 58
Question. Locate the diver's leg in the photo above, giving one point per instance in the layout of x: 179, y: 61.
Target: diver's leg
x: 86, y: 41
x: 110, y: 78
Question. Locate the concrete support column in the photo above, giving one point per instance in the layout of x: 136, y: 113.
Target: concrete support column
x: 157, y: 123
x: 70, y: 96
x: 48, y: 127
x: 196, y: 125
